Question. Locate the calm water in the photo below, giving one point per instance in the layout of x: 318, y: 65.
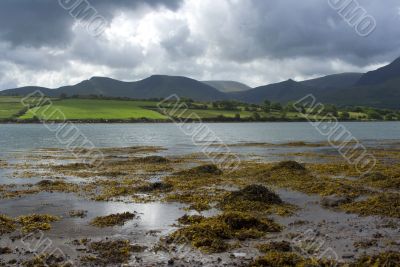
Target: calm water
x: 30, y: 136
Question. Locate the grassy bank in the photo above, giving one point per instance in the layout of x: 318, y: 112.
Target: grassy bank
x: 93, y: 109
x: 9, y: 107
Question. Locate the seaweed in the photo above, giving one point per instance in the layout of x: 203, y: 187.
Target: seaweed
x: 189, y: 220
x: 210, y: 234
x: 255, y: 193
x: 210, y: 169
x: 279, y: 259
x: 18, y: 193
x: 257, y: 198
x: 78, y: 213
x: 34, y: 222
x: 7, y: 224
x: 374, y: 176
x: 158, y: 186
x: 380, y: 180
x: 112, y: 191
x: 110, y: 252
x: 364, y: 244
x: 382, y: 204
x: 45, y: 260
x: 385, y: 259
x: 282, y: 246
x: 57, y: 186
x: 286, y: 259
x: 199, y: 199
x: 151, y: 160
x: 113, y: 219
x: 289, y: 165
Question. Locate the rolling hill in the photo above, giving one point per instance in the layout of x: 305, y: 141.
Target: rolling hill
x: 379, y: 88
x: 156, y: 86
x: 384, y: 95
x: 334, y: 81
x: 278, y: 92
x: 381, y: 75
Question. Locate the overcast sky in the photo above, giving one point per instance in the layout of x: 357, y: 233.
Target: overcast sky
x: 251, y: 41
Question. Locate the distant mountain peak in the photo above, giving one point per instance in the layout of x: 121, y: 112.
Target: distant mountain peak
x: 96, y: 78
x: 290, y: 81
x: 100, y: 78
x: 396, y: 61
x: 380, y: 88
x: 381, y: 75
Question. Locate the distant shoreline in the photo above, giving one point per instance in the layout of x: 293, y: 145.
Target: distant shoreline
x: 133, y: 121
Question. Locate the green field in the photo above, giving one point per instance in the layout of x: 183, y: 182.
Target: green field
x: 10, y: 99
x: 93, y: 109
x: 96, y: 109
x: 9, y: 107
x: 9, y: 110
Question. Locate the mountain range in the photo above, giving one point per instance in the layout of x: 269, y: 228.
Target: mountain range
x: 379, y: 88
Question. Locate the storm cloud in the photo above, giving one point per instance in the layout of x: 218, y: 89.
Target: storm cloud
x: 252, y: 41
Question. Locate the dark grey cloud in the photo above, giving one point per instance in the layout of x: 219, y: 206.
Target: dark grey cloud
x: 46, y: 23
x: 292, y: 28
x: 33, y: 23
x: 253, y: 41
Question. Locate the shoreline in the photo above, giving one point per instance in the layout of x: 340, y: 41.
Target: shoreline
x: 117, y: 121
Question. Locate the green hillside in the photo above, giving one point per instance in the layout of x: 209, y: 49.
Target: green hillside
x: 99, y: 109
x: 86, y: 109
x: 10, y: 107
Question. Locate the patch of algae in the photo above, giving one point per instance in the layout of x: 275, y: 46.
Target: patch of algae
x: 292, y: 176
x: 190, y: 219
x: 210, y: 235
x: 113, y: 219
x: 201, y: 191
x: 201, y: 170
x: 285, y: 259
x: 109, y: 253
x: 384, y: 179
x: 31, y: 223
x: 196, y: 186
x: 200, y: 199
x: 204, y: 187
x: 45, y: 260
x: 134, y: 187
x: 7, y: 225
x: 18, y: 193
x: 112, y: 191
x: 258, y: 198
x: 385, y: 259
x: 281, y: 246
x: 383, y: 204
x: 57, y: 186
x: 116, y: 167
